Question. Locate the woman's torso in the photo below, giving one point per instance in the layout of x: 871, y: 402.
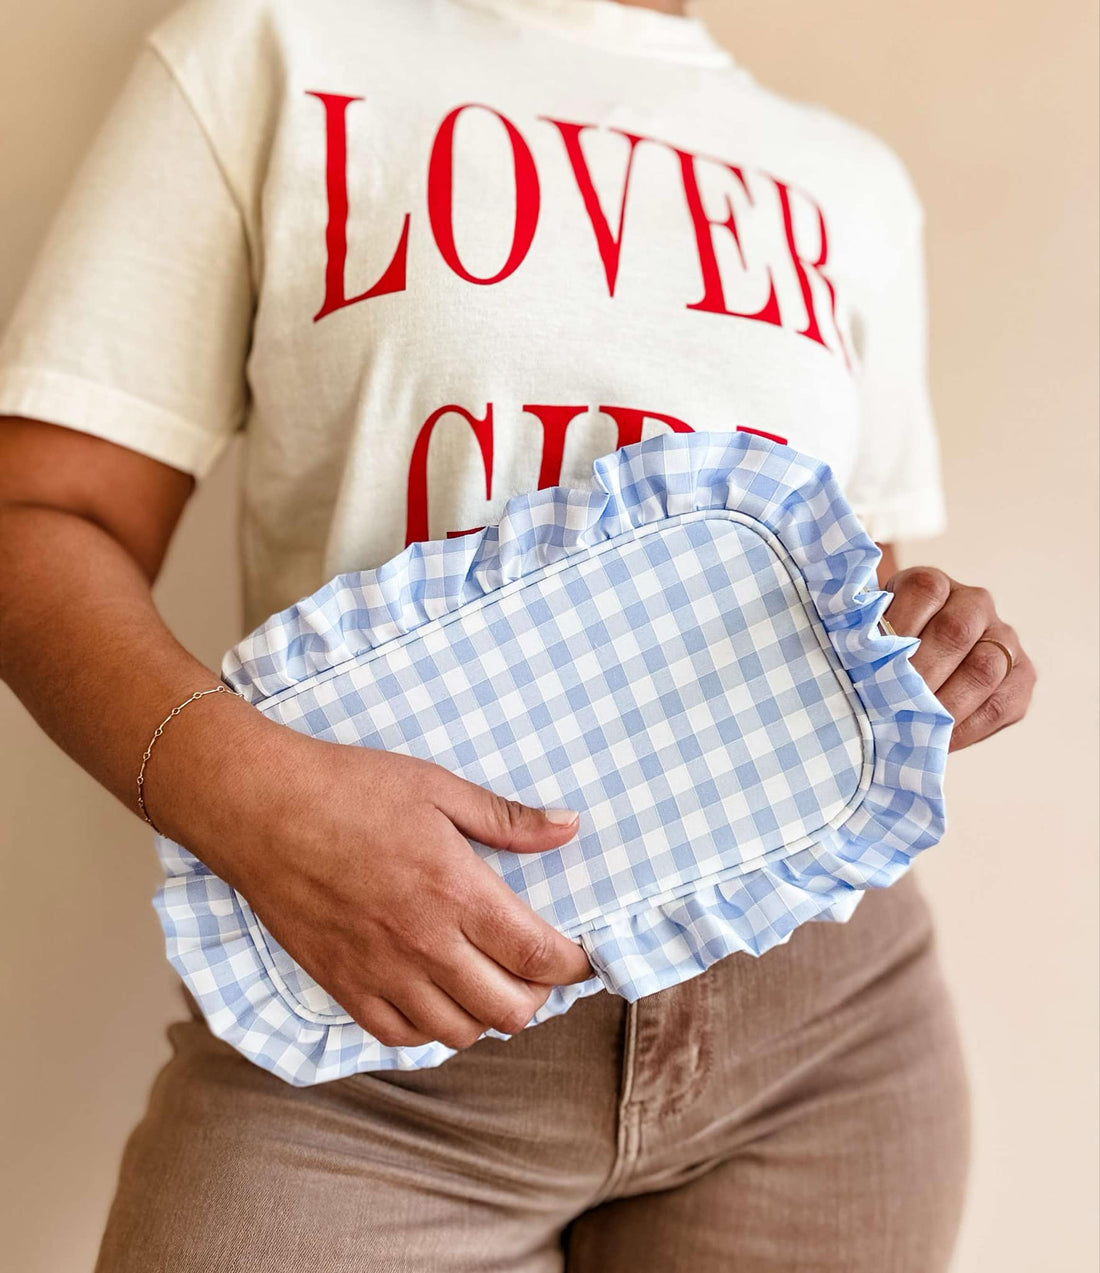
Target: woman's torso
x: 486, y: 251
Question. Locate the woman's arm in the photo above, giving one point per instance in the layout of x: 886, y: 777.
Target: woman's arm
x: 84, y: 527
x: 355, y: 859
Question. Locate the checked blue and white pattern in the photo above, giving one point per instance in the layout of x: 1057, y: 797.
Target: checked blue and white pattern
x: 688, y: 654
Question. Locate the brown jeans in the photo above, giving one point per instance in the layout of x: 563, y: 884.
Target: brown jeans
x: 802, y: 1111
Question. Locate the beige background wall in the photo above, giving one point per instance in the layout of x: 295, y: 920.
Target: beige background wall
x: 993, y: 107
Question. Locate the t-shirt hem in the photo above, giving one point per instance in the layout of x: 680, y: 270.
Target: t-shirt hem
x: 90, y: 407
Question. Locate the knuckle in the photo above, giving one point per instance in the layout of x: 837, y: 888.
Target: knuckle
x: 401, y: 934
x: 389, y: 1032
x: 512, y: 815
x: 955, y: 630
x: 536, y: 956
x: 453, y: 888
x: 411, y: 1038
x: 366, y: 1014
x: 927, y: 582
x: 513, y: 1018
x: 460, y: 1036
x: 997, y: 710
x: 986, y: 666
x: 448, y: 890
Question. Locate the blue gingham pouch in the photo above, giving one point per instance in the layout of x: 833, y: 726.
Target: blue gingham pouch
x: 688, y: 653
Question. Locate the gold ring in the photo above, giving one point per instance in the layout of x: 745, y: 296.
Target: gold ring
x: 1003, y: 649
x: 887, y: 627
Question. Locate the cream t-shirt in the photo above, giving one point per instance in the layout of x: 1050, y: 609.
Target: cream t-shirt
x: 426, y: 254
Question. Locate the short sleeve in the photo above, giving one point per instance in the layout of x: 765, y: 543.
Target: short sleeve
x: 135, y: 322
x: 897, y: 487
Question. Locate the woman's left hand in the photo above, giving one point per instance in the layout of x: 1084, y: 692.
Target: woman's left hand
x: 971, y: 660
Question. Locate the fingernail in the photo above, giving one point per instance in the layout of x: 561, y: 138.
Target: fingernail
x: 561, y: 817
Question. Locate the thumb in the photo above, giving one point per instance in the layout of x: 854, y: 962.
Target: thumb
x: 501, y: 823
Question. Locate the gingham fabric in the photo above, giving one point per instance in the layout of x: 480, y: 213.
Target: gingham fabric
x: 688, y: 653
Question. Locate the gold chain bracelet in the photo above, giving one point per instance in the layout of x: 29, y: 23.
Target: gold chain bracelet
x: 218, y: 689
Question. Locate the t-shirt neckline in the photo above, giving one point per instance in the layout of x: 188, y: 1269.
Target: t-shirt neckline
x: 617, y: 28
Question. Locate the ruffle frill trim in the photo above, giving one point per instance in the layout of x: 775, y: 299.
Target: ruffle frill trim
x: 213, y: 939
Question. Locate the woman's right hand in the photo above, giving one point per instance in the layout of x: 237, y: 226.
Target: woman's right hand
x: 356, y: 861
